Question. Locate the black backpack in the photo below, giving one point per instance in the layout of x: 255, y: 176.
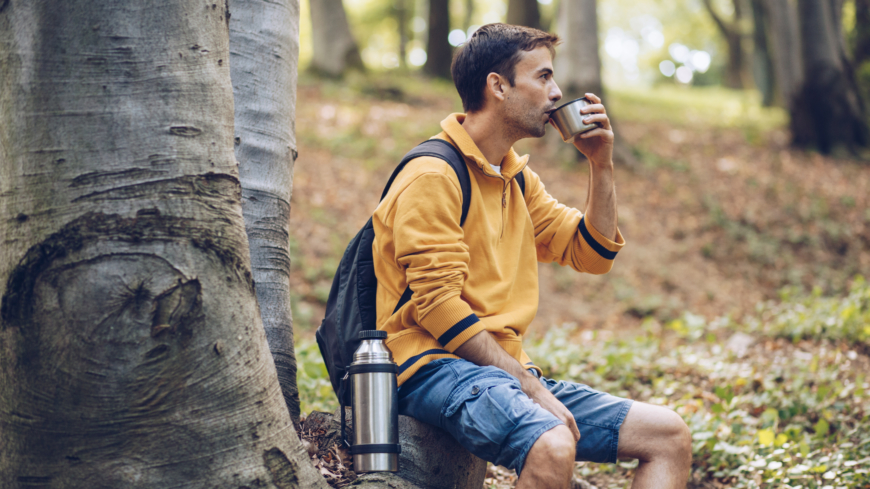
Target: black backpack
x: 351, y: 306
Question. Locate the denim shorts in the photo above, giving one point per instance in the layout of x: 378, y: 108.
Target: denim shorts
x: 488, y: 414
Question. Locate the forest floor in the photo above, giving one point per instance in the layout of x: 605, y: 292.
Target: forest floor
x: 719, y: 214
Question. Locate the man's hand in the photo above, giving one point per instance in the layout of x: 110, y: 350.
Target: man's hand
x: 482, y: 349
x: 533, y: 388
x: 596, y: 144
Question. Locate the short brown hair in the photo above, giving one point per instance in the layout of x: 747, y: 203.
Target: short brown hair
x: 494, y: 48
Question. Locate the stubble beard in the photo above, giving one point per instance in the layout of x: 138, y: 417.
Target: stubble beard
x: 524, y: 121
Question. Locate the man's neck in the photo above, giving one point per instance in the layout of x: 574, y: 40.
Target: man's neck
x: 489, y: 136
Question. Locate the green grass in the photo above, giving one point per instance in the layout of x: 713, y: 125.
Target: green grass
x: 780, y: 416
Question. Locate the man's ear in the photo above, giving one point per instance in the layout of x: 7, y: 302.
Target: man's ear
x: 495, y: 85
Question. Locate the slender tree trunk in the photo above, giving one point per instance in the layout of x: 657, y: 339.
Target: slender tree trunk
x: 578, y: 65
x: 264, y: 53
x: 402, y: 22
x: 469, y: 12
x: 524, y: 12
x: 736, y: 72
x: 438, y: 51
x: 762, y: 66
x: 785, y: 46
x: 828, y: 113
x: 334, y: 48
x: 131, y: 349
x: 861, y: 49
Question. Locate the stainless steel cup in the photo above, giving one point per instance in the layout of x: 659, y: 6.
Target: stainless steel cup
x: 375, y: 406
x: 568, y: 120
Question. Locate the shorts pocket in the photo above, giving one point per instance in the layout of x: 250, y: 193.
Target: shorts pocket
x: 473, y: 389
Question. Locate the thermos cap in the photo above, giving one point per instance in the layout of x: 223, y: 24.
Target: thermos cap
x: 373, y: 334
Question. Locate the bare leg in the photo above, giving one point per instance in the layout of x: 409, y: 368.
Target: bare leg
x: 550, y: 462
x: 662, y: 443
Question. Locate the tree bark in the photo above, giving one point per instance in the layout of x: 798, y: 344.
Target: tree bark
x: 402, y: 16
x: 334, y: 48
x: 264, y: 53
x: 828, y: 113
x: 861, y: 49
x: 786, y: 58
x: 439, y: 53
x: 762, y: 66
x: 524, y: 12
x: 736, y: 73
x: 131, y: 349
x: 469, y: 13
x: 578, y: 65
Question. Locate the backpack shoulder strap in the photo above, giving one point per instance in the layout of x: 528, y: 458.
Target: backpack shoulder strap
x: 521, y: 179
x: 441, y: 149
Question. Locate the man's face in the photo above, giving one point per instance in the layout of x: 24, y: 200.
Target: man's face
x: 528, y: 103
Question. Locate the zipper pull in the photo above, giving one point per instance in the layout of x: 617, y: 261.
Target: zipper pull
x: 503, y: 199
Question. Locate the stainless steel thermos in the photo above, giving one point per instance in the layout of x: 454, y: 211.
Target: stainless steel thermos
x: 375, y: 406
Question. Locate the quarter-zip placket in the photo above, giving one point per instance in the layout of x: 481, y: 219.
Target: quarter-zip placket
x: 503, y: 197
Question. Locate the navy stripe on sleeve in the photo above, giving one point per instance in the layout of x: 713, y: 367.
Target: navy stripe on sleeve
x: 413, y: 360
x: 601, y: 250
x: 457, y: 329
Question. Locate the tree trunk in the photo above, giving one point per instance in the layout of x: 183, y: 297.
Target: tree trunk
x: 828, y: 113
x: 762, y: 67
x: 131, y: 349
x: 861, y: 49
x: 439, y: 53
x: 524, y: 12
x: 469, y: 12
x: 264, y: 53
x: 402, y: 23
x: 334, y: 48
x: 785, y: 46
x: 578, y: 65
x: 736, y: 73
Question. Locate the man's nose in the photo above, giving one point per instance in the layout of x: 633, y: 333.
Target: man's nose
x: 555, y: 93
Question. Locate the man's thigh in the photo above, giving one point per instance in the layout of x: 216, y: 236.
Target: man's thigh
x: 599, y: 417
x: 483, y: 408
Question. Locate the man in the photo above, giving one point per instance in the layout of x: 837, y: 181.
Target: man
x: 458, y: 341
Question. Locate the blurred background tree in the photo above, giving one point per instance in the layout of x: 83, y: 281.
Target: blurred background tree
x: 334, y: 47
x: 524, y: 12
x: 753, y: 46
x: 438, y: 50
x: 827, y: 113
x: 732, y: 30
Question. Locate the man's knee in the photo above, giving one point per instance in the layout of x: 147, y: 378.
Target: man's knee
x: 557, y: 445
x: 679, y: 434
x: 653, y: 431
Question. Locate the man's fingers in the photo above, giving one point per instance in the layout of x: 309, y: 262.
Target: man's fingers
x: 595, y: 133
x: 593, y: 108
x: 600, y: 118
x: 594, y: 98
x: 572, y: 425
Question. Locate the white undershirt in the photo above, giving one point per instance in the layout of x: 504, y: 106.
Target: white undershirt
x: 496, y: 168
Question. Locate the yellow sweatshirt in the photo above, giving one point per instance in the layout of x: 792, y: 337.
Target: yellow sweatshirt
x: 481, y: 276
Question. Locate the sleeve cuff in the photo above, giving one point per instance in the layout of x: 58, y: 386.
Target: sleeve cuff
x: 603, y: 246
x: 452, y: 323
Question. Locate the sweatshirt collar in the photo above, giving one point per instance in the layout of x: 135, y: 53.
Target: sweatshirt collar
x: 511, y: 164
